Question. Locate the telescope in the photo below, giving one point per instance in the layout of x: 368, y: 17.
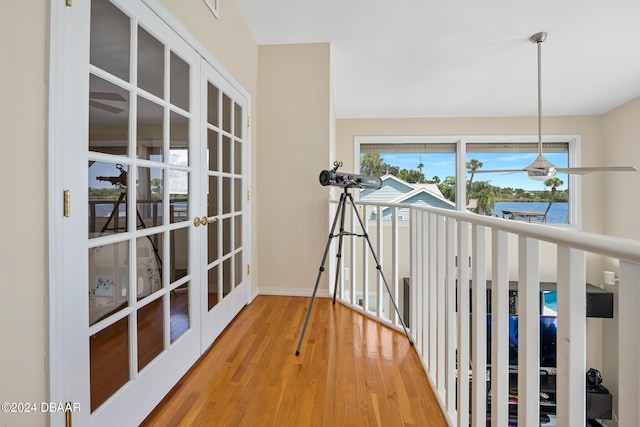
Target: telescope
x: 348, y: 180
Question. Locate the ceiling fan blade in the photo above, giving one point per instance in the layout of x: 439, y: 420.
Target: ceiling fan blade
x: 498, y: 170
x: 107, y: 96
x: 585, y: 170
x: 105, y: 107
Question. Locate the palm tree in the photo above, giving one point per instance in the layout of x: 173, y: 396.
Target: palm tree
x: 472, y: 166
x: 420, y: 166
x: 554, y: 183
x: 435, y: 180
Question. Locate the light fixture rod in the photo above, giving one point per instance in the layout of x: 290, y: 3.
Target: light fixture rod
x: 538, y: 38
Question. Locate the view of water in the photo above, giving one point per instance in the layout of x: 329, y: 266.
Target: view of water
x: 557, y: 214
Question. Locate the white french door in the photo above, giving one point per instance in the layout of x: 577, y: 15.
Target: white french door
x: 225, y: 195
x: 149, y: 148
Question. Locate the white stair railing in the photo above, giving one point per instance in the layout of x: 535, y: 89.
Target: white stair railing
x: 435, y: 249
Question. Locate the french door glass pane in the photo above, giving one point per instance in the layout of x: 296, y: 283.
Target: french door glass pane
x: 179, y: 257
x: 110, y: 34
x: 237, y: 121
x: 149, y: 130
x: 109, y: 361
x: 226, y: 113
x: 238, y: 266
x: 212, y: 150
x: 150, y: 332
x: 213, y: 295
x: 108, y: 117
x: 179, y: 82
x: 227, y: 286
x: 150, y: 63
x: 179, y: 311
x: 213, y: 251
x: 149, y: 188
x: 108, y: 280
x: 108, y: 195
x: 213, y: 108
x: 179, y: 195
x: 179, y: 140
x: 226, y: 154
x: 149, y: 256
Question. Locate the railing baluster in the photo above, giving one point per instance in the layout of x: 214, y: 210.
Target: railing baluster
x: 628, y: 345
x: 571, y: 347
x: 528, y: 332
x: 451, y: 318
x: 424, y: 280
x: 463, y: 324
x: 499, y: 328
x: 433, y: 307
x: 440, y: 306
x: 380, y: 253
x: 479, y: 327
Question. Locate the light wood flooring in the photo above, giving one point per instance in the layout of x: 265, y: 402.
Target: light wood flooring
x: 351, y: 371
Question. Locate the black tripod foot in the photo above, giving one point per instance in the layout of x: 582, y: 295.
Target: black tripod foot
x: 298, y: 352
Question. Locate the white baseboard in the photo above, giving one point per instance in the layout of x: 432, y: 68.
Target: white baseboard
x: 299, y: 292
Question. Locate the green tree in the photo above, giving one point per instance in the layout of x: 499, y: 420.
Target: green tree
x: 435, y: 180
x: 420, y: 166
x: 485, y: 194
x: 411, y: 176
x: 371, y: 164
x: 448, y: 188
x: 554, y: 183
x: 472, y: 166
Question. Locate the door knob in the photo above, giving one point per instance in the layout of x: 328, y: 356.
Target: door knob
x: 203, y: 221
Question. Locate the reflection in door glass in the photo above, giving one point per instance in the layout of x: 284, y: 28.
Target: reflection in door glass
x: 237, y: 121
x: 150, y: 332
x: 179, y: 140
x: 213, y: 107
x: 179, y: 316
x: 179, y: 82
x: 107, y: 198
x: 238, y: 265
x: 149, y: 188
x: 150, y: 63
x: 213, y: 250
x: 108, y: 280
x: 179, y: 195
x: 213, y: 294
x: 179, y: 256
x: 109, y: 361
x: 226, y: 154
x: 212, y: 150
x: 149, y: 131
x: 110, y: 33
x: 149, y: 258
x: 108, y: 117
x: 226, y: 113
x: 226, y: 277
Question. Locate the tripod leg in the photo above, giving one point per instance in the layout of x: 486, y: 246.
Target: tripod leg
x: 379, y: 268
x: 320, y: 271
x: 339, y: 254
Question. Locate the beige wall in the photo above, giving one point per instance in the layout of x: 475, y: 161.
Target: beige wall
x: 23, y: 216
x: 24, y: 30
x: 294, y: 119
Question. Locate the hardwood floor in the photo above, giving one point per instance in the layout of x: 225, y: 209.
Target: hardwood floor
x: 351, y: 371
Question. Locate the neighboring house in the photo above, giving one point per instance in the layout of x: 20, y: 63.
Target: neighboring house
x: 395, y: 190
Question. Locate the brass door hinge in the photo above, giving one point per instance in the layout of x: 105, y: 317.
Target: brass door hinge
x: 248, y: 269
x: 248, y: 121
x: 248, y: 195
x: 68, y: 415
x: 66, y: 211
x: 69, y: 3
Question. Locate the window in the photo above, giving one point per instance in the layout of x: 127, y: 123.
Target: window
x: 439, y: 164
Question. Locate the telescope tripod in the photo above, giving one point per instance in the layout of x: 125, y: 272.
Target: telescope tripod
x: 340, y: 214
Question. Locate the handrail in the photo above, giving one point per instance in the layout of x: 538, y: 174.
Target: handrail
x: 615, y: 247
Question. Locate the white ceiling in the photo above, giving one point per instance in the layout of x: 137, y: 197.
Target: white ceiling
x: 427, y: 58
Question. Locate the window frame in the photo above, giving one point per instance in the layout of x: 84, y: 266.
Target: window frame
x: 574, y: 216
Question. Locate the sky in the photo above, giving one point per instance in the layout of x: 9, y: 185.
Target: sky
x: 443, y: 165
